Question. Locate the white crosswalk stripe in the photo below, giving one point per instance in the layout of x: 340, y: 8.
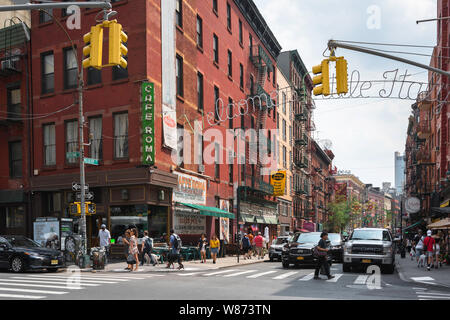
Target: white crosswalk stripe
x: 336, y: 277
x: 218, y: 272
x: 361, y: 279
x: 260, y: 274
x: 239, y: 273
x: 285, y: 275
x: 20, y: 296
x: 82, y: 280
x: 61, y: 282
x: 307, y: 277
x: 32, y: 291
x: 33, y: 285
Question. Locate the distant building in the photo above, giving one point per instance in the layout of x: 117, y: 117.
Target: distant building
x: 399, y: 172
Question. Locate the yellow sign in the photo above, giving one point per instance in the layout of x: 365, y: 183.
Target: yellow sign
x: 278, y: 181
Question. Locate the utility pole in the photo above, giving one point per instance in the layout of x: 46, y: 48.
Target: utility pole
x: 106, y: 6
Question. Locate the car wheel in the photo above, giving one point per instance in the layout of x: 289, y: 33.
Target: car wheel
x: 17, y: 264
x: 389, y: 269
x: 346, y: 267
x: 285, y: 265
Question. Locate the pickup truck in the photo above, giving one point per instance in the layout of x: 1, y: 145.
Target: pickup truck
x: 370, y: 246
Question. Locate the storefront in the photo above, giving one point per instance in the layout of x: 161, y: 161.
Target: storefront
x: 260, y: 218
x: 13, y: 207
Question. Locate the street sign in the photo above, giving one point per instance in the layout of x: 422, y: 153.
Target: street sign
x: 91, y: 161
x: 77, y: 187
x: 72, y: 155
x: 88, y: 196
x: 412, y: 205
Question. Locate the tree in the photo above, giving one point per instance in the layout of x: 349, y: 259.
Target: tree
x: 340, y: 215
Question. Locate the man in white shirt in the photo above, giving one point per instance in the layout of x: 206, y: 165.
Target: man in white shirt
x: 105, y: 240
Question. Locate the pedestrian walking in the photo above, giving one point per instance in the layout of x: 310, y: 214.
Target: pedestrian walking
x: 246, y: 246
x: 429, y: 249
x: 202, y: 246
x: 251, y: 237
x: 105, y: 240
x: 259, y: 244
x: 408, y: 245
x: 174, y: 251
x: 437, y: 252
x: 418, y: 240
x: 214, y: 244
x: 321, y: 253
x: 126, y: 242
x: 133, y: 253
x: 146, y: 249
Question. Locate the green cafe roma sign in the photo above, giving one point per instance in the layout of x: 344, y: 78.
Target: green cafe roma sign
x: 148, y: 123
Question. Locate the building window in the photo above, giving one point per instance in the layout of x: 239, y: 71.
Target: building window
x: 284, y: 130
x: 216, y: 103
x: 230, y: 112
x: 179, y: 72
x: 71, y: 140
x: 179, y: 13
x: 121, y: 135
x: 14, y: 99
x: 241, y: 76
x: 15, y: 217
x: 49, y: 145
x: 252, y: 85
x: 199, y: 32
x: 200, y: 95
x: 228, y: 16
x: 230, y: 170
x: 48, y: 72
x: 216, y: 48
x: 15, y: 159
x: 44, y: 17
x: 242, y: 119
x: 95, y: 131
x: 215, y: 6
x: 230, y: 63
x: 200, y: 148
x: 283, y: 102
x: 217, y: 160
x: 274, y: 80
x: 70, y: 69
x: 94, y: 76
x: 241, y: 35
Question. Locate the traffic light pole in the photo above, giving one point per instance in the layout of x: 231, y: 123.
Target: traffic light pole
x: 332, y: 44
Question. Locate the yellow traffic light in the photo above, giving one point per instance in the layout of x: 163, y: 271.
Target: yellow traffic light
x: 341, y: 75
x: 93, y: 51
x: 323, y: 79
x: 117, y: 48
x: 75, y: 208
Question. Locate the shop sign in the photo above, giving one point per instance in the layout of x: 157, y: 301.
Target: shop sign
x: 188, y: 222
x: 190, y: 189
x: 148, y: 123
x: 278, y: 181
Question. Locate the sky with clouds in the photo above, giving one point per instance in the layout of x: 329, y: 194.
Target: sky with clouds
x: 364, y: 133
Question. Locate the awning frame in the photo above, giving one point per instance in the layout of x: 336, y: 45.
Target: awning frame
x: 210, y: 211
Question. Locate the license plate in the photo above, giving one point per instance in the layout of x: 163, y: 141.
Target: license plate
x: 300, y: 258
x: 54, y: 262
x: 366, y: 261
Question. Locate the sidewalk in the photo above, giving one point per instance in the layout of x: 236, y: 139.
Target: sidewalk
x: 409, y: 272
x: 229, y: 261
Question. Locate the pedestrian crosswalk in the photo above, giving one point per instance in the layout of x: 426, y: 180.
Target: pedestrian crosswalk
x: 424, y: 294
x: 41, y: 285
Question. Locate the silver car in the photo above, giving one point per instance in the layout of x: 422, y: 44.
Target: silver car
x: 369, y: 246
x: 277, y: 247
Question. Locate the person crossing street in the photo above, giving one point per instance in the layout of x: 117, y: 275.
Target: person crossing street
x: 146, y: 249
x: 322, y: 257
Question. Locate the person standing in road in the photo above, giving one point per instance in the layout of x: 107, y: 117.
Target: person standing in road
x: 214, y: 244
x: 429, y: 249
x: 146, y: 248
x: 134, y: 251
x: 202, y: 245
x: 259, y: 245
x: 322, y: 259
x: 105, y: 240
x: 174, y: 251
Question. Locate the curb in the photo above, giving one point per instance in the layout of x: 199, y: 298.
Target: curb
x: 405, y: 279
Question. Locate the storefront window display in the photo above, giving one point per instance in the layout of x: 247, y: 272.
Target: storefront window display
x: 124, y: 217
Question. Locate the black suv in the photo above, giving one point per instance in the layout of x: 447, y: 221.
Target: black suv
x: 299, y: 251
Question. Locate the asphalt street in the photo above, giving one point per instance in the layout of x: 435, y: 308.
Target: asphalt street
x: 261, y: 281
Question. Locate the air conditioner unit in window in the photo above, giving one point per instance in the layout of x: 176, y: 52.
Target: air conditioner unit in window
x: 437, y: 148
x: 10, y: 65
x: 201, y: 168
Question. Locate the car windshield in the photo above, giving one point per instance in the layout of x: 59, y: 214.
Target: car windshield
x: 334, y: 237
x: 307, y: 238
x: 18, y: 241
x: 280, y: 241
x: 370, y: 235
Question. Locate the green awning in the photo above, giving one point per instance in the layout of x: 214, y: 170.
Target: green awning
x: 247, y: 218
x: 271, y: 219
x: 210, y: 211
x: 260, y: 220
x: 413, y: 225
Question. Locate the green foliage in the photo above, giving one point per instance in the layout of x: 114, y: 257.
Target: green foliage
x: 340, y: 215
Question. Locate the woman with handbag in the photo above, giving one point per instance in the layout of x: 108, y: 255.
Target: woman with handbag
x: 133, y: 252
x: 321, y: 253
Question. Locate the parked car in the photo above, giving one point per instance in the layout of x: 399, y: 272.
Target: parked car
x: 370, y: 246
x: 276, y: 247
x: 336, y: 247
x: 19, y: 254
x: 299, y: 251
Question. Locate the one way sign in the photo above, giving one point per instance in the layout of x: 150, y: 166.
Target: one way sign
x: 88, y: 196
x: 77, y: 187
